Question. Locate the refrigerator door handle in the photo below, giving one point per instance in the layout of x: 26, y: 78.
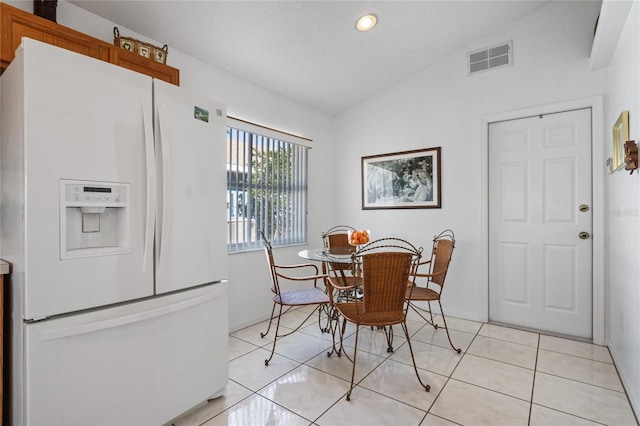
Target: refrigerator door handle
x: 93, y: 327
x: 164, y: 144
x: 147, y: 257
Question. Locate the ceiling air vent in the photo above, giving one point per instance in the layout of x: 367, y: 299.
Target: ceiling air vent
x: 489, y: 58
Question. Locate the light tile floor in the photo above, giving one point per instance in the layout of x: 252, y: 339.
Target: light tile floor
x: 503, y: 376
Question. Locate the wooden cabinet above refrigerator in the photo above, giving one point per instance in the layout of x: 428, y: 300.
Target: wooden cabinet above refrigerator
x: 16, y: 23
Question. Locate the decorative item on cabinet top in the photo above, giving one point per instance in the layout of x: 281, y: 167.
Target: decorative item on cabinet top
x: 45, y: 9
x: 158, y: 54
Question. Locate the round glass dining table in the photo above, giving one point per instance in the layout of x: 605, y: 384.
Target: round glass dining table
x: 329, y: 255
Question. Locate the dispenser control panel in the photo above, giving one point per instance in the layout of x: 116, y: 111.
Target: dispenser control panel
x: 83, y: 193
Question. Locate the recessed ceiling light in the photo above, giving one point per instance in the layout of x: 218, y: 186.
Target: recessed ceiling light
x: 366, y: 22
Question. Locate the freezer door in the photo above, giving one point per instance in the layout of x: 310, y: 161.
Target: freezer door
x: 191, y: 245
x: 84, y: 120
x: 143, y: 363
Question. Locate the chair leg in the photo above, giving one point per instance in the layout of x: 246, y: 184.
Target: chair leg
x: 389, y: 335
x: 417, y: 310
x: 433, y: 323
x: 353, y: 367
x: 270, y: 320
x: 324, y: 308
x: 341, y: 350
x: 266, y: 361
x: 406, y: 333
x: 275, y: 338
x: 447, y: 329
x: 334, y: 327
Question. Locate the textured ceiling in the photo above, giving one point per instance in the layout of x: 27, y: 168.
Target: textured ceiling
x: 309, y: 51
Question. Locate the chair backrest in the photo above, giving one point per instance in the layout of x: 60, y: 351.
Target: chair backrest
x: 386, y: 268
x: 338, y: 237
x: 275, y: 287
x: 443, y: 245
x: 338, y: 240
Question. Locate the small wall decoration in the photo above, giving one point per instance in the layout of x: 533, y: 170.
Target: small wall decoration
x: 630, y: 156
x: 620, y: 136
x: 402, y: 180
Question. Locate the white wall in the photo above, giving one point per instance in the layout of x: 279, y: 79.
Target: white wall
x: 442, y: 106
x: 623, y: 213
x: 249, y: 289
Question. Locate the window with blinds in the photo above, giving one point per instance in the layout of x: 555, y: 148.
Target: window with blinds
x: 266, y: 190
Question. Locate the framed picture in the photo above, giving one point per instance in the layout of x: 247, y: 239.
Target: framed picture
x: 126, y: 45
x: 402, y: 180
x: 144, y: 51
x: 620, y: 136
x: 159, y: 55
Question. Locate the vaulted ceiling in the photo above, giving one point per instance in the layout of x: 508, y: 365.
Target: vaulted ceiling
x: 310, y: 51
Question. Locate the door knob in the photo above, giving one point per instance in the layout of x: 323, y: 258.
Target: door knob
x: 583, y: 208
x: 583, y: 235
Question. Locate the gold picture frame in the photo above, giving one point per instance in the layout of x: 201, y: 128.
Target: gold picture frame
x: 620, y: 136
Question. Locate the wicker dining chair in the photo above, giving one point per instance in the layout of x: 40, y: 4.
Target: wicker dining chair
x: 311, y: 295
x: 338, y: 236
x: 427, y: 286
x: 336, y: 241
x: 386, y: 265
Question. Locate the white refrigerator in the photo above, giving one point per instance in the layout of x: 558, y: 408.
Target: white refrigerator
x: 113, y: 221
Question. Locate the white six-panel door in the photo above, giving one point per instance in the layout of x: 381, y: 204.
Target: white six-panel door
x: 540, y: 250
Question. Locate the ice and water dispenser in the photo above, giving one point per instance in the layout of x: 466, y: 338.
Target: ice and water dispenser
x: 95, y: 218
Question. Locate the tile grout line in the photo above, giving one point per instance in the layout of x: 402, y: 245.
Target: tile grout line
x: 533, y: 385
x: 633, y: 411
x: 449, y: 378
x: 579, y: 356
x: 572, y: 415
x: 585, y: 383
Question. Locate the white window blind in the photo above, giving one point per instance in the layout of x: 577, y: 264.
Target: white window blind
x: 266, y: 187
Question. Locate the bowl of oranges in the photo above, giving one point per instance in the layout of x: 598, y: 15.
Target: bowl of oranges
x: 358, y: 238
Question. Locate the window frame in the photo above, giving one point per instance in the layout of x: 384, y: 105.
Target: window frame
x: 270, y: 149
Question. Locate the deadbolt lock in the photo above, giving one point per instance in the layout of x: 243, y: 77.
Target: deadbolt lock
x: 583, y: 208
x: 583, y: 235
